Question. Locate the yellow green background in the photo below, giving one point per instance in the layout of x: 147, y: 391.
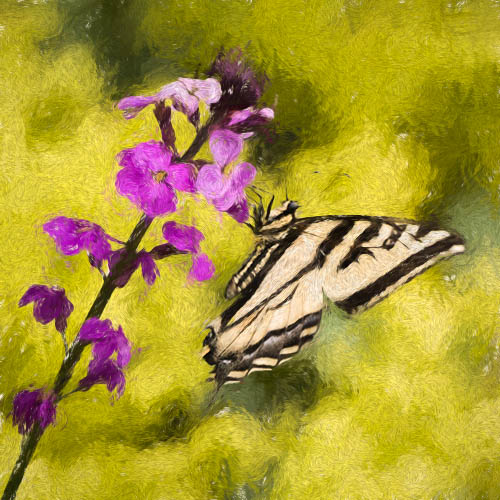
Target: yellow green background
x: 383, y: 107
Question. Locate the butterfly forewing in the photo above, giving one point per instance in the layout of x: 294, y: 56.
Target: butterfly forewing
x: 355, y: 260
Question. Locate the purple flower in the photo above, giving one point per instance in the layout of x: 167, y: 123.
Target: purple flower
x: 188, y: 239
x: 74, y: 235
x: 33, y: 406
x: 241, y: 87
x: 104, y: 372
x: 185, y: 94
x: 106, y: 341
x: 50, y: 304
x: 149, y: 178
x: 150, y: 270
x: 227, y: 192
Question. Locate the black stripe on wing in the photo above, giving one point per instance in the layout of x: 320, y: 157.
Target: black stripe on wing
x: 275, y: 255
x: 357, y: 249
x: 405, y: 268
x: 334, y: 238
x: 248, y: 270
x: 274, y: 348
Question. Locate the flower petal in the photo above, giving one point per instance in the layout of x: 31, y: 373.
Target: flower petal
x: 210, y: 181
x: 104, y: 372
x: 133, y: 104
x: 151, y: 155
x: 182, y: 176
x: 186, y: 238
x: 239, y: 211
x: 242, y: 175
x: 202, y: 269
x: 208, y: 90
x: 225, y: 146
x: 123, y: 348
x: 73, y: 235
x: 149, y: 268
x: 34, y: 292
x: 33, y: 406
x: 157, y: 198
x: 227, y: 198
x: 51, y: 304
x: 95, y: 329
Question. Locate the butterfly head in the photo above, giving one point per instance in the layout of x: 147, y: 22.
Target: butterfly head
x: 273, y: 220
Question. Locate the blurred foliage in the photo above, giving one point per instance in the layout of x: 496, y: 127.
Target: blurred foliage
x: 383, y: 107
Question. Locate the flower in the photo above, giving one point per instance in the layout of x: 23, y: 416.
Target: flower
x: 188, y: 239
x: 51, y: 303
x: 33, y: 406
x: 106, y: 341
x: 241, y: 87
x: 144, y: 259
x: 74, y: 235
x: 185, y: 93
x: 227, y: 192
x: 149, y: 178
x: 104, y: 372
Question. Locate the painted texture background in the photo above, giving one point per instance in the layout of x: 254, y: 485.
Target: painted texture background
x: 400, y: 402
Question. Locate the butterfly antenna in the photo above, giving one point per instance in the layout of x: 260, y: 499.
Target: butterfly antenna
x: 269, y: 207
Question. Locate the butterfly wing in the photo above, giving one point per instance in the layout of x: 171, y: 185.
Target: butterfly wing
x: 380, y: 255
x: 282, y: 301
x: 356, y: 261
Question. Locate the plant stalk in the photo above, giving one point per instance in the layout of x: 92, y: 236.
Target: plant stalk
x: 75, y: 351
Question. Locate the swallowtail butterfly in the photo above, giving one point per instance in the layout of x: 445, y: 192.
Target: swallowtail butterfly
x: 356, y: 261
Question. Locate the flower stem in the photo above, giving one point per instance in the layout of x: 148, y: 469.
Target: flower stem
x: 200, y: 138
x: 75, y: 351
x: 72, y: 357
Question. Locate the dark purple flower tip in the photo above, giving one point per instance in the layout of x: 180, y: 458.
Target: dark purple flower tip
x: 225, y: 146
x: 74, y: 235
x: 104, y: 372
x: 149, y: 178
x: 164, y: 250
x: 33, y: 406
x: 149, y: 269
x: 163, y: 115
x: 186, y: 238
x: 241, y: 87
x: 202, y: 269
x: 248, y: 120
x: 51, y: 303
x: 239, y: 211
x: 106, y: 340
x: 185, y: 93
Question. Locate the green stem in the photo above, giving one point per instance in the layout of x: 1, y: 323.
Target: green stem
x: 75, y: 351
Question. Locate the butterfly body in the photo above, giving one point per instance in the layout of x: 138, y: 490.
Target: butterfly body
x: 355, y: 261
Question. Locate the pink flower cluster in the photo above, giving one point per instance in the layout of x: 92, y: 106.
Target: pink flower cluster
x: 153, y: 176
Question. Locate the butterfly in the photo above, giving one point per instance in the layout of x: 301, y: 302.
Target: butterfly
x: 356, y: 261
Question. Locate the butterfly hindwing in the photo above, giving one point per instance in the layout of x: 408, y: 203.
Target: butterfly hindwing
x: 356, y: 261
